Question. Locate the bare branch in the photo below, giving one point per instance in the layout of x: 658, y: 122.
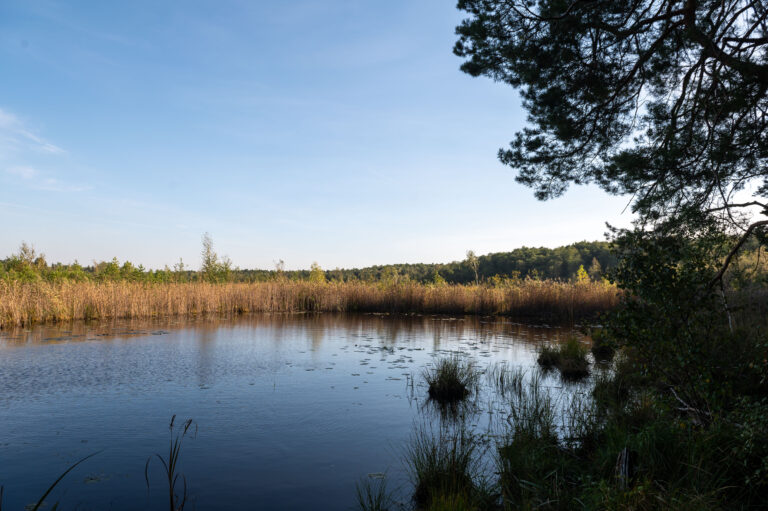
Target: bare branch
x: 734, y: 251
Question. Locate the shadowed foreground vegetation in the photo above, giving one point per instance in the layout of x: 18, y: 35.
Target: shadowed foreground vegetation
x: 620, y: 442
x: 26, y: 303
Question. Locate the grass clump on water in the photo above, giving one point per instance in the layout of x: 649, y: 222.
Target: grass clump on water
x: 451, y: 379
x: 603, y: 347
x: 569, y: 358
x: 445, y: 468
x: 372, y: 494
x: 536, y: 469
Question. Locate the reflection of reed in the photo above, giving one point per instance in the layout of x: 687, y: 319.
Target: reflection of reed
x: 280, y: 328
x: 28, y: 303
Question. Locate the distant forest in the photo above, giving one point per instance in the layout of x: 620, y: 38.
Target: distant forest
x: 560, y: 263
x: 541, y: 263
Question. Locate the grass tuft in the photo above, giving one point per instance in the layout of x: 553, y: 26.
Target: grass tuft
x: 442, y: 466
x: 372, y: 494
x: 451, y: 379
x: 570, y: 359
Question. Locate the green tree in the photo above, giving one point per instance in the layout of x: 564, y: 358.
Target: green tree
x: 582, y: 277
x: 27, y: 254
x: 213, y: 268
x: 316, y: 274
x: 437, y: 279
x: 595, y: 270
x: 389, y: 275
x: 210, y: 260
x: 473, y: 264
x: 280, y: 270
x: 662, y: 100
x: 179, y: 271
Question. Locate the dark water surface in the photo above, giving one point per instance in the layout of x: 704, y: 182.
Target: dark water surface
x: 291, y: 410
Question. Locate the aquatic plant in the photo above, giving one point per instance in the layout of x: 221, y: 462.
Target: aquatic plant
x: 451, y: 378
x: 443, y: 464
x: 570, y: 358
x: 504, y: 379
x: 372, y: 494
x: 176, y: 501
x: 549, y: 356
x: 24, y: 303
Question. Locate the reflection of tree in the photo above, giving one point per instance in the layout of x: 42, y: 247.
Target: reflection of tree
x: 318, y: 326
x: 206, y: 338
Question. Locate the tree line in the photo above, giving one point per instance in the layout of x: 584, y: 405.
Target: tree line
x: 561, y: 263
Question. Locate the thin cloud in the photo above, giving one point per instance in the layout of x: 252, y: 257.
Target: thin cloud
x: 23, y: 172
x: 54, y: 185
x: 38, y: 181
x: 19, y: 146
x: 18, y: 136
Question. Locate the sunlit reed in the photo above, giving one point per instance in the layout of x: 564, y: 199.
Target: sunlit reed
x: 23, y: 303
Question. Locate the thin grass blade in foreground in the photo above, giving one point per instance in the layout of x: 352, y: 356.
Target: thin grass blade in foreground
x: 170, y: 466
x: 55, y: 483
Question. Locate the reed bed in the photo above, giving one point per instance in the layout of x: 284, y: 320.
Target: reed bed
x: 25, y: 303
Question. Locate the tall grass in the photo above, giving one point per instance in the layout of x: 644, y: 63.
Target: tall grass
x: 25, y: 303
x: 445, y: 466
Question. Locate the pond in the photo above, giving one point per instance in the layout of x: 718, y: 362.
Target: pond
x: 290, y: 411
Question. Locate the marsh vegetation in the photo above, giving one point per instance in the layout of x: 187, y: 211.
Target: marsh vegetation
x: 570, y: 358
x: 27, y: 303
x: 451, y: 378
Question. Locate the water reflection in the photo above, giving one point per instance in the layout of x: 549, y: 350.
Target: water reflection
x: 292, y: 408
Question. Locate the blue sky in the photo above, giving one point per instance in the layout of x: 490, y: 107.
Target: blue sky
x: 333, y: 131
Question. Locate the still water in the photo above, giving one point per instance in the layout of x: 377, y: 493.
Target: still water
x: 290, y: 410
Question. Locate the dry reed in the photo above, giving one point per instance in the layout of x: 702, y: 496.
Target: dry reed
x: 42, y: 302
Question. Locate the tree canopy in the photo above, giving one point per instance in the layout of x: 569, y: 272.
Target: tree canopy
x: 661, y: 100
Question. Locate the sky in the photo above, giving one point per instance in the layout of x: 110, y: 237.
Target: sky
x: 335, y: 131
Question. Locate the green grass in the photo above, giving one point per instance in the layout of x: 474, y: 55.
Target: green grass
x: 451, y: 379
x: 533, y: 470
x: 570, y: 358
x: 372, y: 494
x: 444, y: 467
